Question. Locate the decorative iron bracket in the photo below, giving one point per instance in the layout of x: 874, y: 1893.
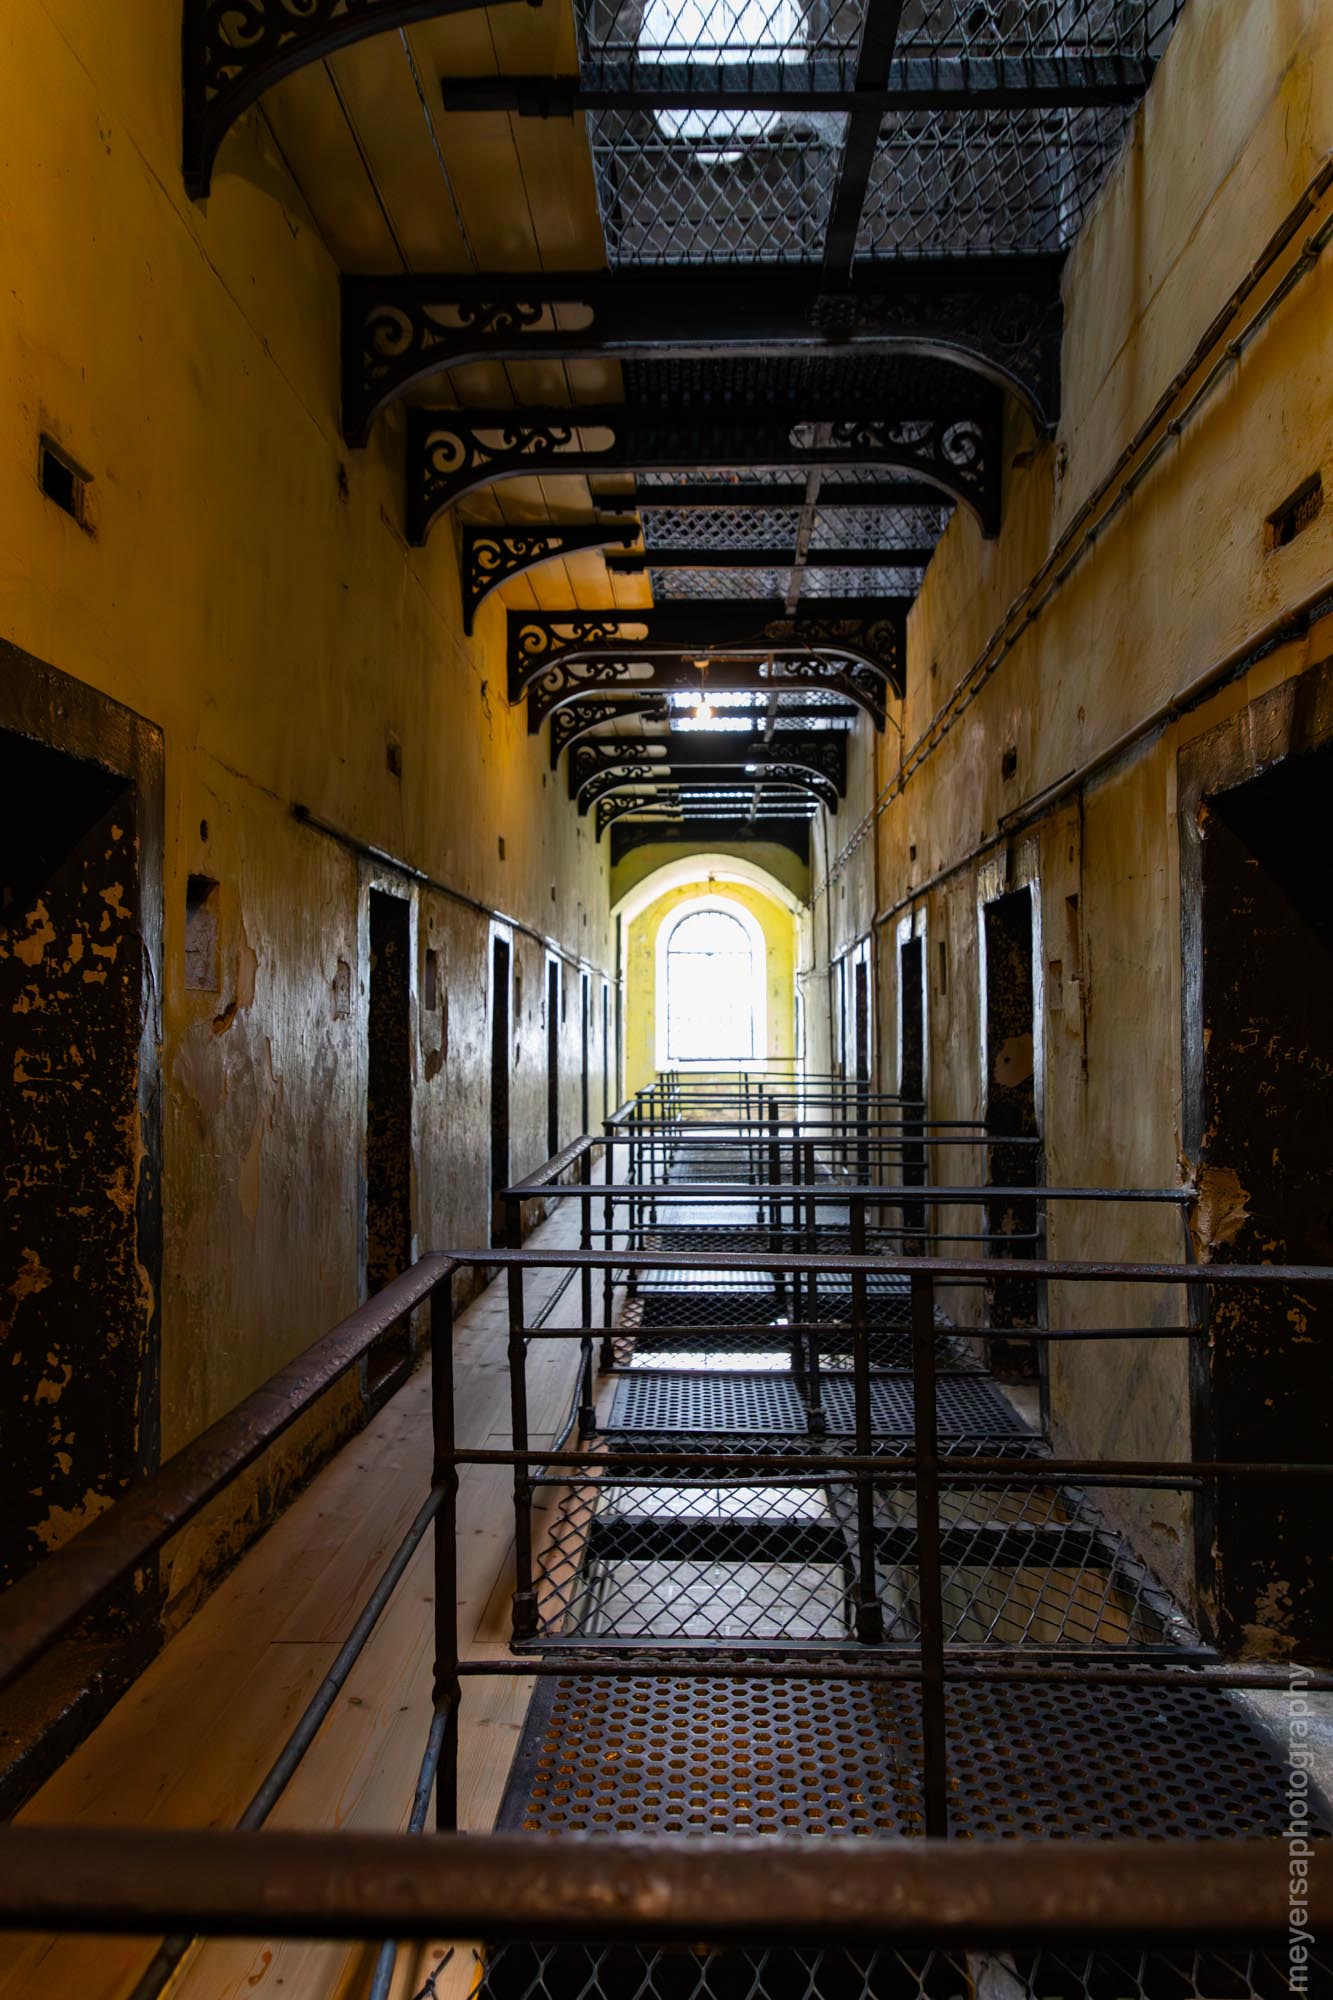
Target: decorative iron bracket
x: 620, y: 805
x: 233, y: 50
x: 869, y: 630
x: 955, y: 446
x: 571, y: 724
x: 564, y: 683
x: 491, y: 555
x: 821, y: 754
x: 998, y: 317
x: 707, y: 777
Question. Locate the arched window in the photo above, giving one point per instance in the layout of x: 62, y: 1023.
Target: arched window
x: 710, y: 986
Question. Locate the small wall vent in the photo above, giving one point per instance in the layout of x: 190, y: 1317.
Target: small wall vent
x: 61, y: 479
x: 1295, y: 514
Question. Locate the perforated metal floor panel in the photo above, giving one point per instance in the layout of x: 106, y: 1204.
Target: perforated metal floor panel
x: 809, y: 1758
x: 702, y: 1402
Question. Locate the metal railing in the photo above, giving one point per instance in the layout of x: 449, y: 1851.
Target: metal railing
x: 832, y: 1274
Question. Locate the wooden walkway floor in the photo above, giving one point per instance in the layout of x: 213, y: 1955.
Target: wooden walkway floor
x: 191, y: 1741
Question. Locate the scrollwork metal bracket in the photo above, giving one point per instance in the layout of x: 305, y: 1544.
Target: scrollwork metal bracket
x: 491, y: 555
x: 233, y: 50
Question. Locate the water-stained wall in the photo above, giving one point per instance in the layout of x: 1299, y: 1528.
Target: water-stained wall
x: 1142, y: 590
x: 239, y: 579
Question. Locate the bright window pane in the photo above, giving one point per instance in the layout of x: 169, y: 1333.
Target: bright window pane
x: 710, y: 989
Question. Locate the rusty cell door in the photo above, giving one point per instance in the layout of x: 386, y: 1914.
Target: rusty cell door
x: 80, y: 979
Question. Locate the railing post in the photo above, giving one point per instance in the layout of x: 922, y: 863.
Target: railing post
x: 525, y: 1600
x: 775, y: 1200
x: 634, y: 1150
x: 608, y: 1355
x: 587, y: 1392
x: 444, y: 1477
x: 814, y: 1405
x: 869, y: 1610
x: 930, y: 1606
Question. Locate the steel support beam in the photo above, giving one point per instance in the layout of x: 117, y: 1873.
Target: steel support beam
x: 234, y: 50
x: 491, y: 555
x: 870, y: 631
x: 706, y: 832
x: 643, y: 560
x: 565, y: 682
x: 953, y: 444
x: 997, y: 316
x: 879, y: 34
x: 742, y: 493
x: 905, y: 85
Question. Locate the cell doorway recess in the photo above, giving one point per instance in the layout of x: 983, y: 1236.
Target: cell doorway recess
x: 1010, y: 1084
x: 80, y: 976
x: 1265, y: 1037
x: 389, y: 1115
x: 912, y: 1058
x: 500, y: 966
x: 554, y: 987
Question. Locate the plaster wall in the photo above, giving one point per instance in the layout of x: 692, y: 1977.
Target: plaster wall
x: 1182, y: 580
x: 242, y: 581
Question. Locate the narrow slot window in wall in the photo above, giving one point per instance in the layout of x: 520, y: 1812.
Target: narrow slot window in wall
x: 61, y: 480
x: 431, y: 982
x: 1298, y: 512
x: 201, y: 934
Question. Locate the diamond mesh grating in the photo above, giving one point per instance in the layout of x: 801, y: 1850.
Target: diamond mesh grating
x: 861, y: 582
x: 878, y: 527
x: 720, y: 584
x: 1067, y: 1972
x: 717, y: 529
x: 947, y: 183
x: 714, y: 186
x: 1035, y: 28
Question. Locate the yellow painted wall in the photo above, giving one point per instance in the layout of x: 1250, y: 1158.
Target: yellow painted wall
x: 780, y: 930
x: 244, y: 584
x: 1238, y: 121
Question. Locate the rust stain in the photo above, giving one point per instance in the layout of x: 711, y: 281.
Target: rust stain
x: 33, y: 1277
x: 1220, y: 1212
x: 1013, y: 1061
x: 32, y: 948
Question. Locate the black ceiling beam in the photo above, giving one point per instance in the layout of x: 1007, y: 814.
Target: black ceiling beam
x: 492, y: 554
x: 879, y: 35
x: 952, y: 440
x: 906, y: 84
x: 629, y: 834
x: 630, y: 675
x: 643, y: 560
x: 820, y: 752
x: 870, y: 631
x: 998, y: 315
x: 744, y: 494
x: 232, y: 51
